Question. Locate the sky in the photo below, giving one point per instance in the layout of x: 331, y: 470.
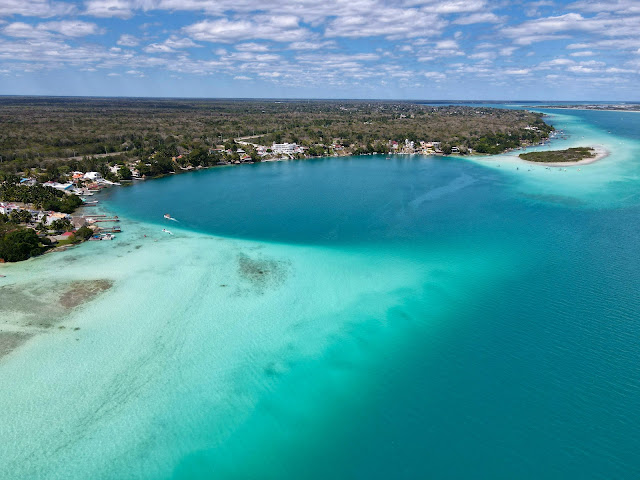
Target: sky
x: 403, y: 49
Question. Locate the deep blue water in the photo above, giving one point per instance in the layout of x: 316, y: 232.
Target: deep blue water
x: 532, y: 372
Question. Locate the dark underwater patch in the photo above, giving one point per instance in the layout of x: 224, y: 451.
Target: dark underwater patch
x: 263, y: 273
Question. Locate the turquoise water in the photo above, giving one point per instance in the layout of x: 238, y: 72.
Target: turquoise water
x: 416, y: 317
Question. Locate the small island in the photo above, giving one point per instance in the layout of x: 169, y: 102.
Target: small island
x: 570, y: 156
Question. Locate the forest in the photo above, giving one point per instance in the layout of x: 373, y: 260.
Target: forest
x: 52, y: 136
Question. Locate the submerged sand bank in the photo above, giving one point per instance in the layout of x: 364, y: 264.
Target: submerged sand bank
x: 27, y: 310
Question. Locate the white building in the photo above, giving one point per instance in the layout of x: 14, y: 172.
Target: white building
x: 286, y: 148
x: 53, y: 216
x: 7, y: 208
x: 65, y: 187
x: 93, y: 176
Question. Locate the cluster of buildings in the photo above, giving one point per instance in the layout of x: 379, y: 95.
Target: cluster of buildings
x: 291, y: 150
x: 422, y: 147
x: 37, y: 216
x: 79, y: 183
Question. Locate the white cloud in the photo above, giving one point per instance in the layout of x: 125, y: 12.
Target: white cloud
x: 555, y: 63
x: 252, y: 47
x: 486, y: 17
x: 393, y: 23
x: 127, y: 40
x: 270, y: 74
x: 171, y: 45
x: 35, y: 8
x: 584, y: 53
x: 617, y: 6
x: 629, y: 43
x: 620, y: 70
x: 265, y: 27
x: 483, y: 56
x: 311, y: 45
x: 45, y: 30
x: 551, y: 28
x: 581, y: 69
x: 72, y: 28
x: 109, y: 8
x: 507, y: 51
x: 517, y: 71
x: 435, y: 75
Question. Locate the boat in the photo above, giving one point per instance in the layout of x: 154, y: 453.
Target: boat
x: 102, y: 236
x: 167, y: 216
x: 167, y: 231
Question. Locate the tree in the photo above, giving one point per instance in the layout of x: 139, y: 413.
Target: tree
x: 20, y: 216
x: 83, y: 233
x: 125, y: 173
x: 20, y: 245
x: 62, y: 225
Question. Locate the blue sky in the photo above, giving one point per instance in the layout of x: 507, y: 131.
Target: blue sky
x: 415, y: 49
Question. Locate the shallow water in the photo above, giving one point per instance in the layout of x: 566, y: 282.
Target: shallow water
x: 345, y: 318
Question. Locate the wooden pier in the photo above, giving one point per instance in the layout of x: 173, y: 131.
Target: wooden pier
x: 110, y: 230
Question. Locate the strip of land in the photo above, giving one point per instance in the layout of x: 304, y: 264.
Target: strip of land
x: 622, y: 107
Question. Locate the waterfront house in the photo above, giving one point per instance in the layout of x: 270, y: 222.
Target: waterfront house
x: 63, y: 187
x: 53, y: 216
x: 286, y: 148
x: 7, y: 208
x: 93, y: 176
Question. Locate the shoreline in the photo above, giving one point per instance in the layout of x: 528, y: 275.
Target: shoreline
x: 600, y: 153
x: 132, y: 182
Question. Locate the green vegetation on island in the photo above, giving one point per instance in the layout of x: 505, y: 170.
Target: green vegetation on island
x: 569, y: 155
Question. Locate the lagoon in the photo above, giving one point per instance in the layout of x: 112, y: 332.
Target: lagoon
x: 350, y: 318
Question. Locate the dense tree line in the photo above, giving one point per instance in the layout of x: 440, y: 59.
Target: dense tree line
x: 18, y: 243
x: 53, y: 136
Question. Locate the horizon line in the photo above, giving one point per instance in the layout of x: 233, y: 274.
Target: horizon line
x: 406, y: 100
